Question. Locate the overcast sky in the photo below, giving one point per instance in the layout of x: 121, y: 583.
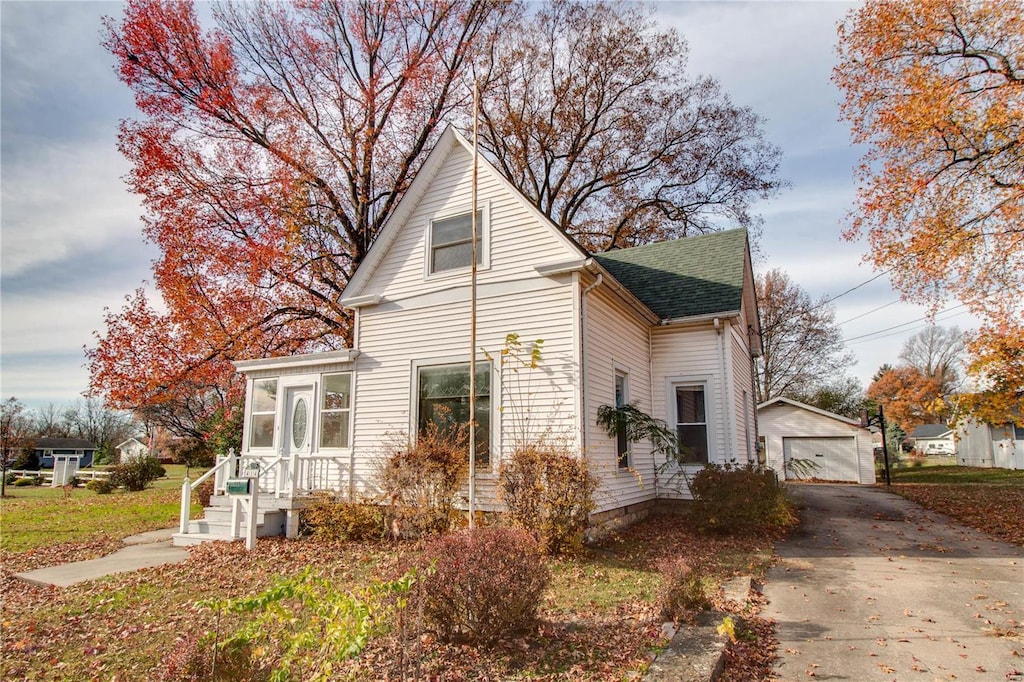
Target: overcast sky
x: 71, y: 243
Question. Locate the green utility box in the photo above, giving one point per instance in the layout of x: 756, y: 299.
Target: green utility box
x: 238, y: 486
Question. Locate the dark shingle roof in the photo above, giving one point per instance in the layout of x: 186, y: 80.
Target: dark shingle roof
x: 64, y: 444
x: 930, y: 431
x: 686, y: 277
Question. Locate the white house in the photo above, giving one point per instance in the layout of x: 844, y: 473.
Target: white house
x: 132, y: 449
x: 988, y: 445
x: 933, y: 439
x: 802, y: 441
x: 670, y: 328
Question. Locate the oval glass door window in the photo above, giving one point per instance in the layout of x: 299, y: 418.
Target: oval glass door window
x: 300, y: 418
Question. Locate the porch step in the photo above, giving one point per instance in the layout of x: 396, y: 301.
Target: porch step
x: 216, y: 522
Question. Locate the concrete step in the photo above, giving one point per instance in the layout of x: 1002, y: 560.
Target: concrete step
x: 224, y: 514
x: 187, y: 540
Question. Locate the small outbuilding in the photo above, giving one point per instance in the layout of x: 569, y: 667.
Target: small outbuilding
x: 132, y: 449
x: 49, y: 450
x: 802, y: 441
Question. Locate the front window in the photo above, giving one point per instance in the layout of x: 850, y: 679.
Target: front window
x: 621, y: 442
x: 335, y: 410
x: 691, y: 424
x: 451, y: 242
x: 261, y: 417
x: 443, y: 396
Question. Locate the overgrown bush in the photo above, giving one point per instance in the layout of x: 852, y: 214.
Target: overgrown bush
x: 329, y: 518
x: 24, y: 481
x: 487, y: 584
x: 740, y: 499
x: 682, y: 592
x: 549, y: 493
x: 421, y: 480
x: 192, y: 660
x: 136, y: 474
x: 100, y: 486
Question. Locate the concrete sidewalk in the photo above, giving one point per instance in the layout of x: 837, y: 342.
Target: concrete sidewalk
x: 874, y: 587
x: 140, y: 551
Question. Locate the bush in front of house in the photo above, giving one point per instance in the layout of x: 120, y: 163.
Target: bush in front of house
x: 487, y: 584
x: 100, y: 486
x: 683, y: 590
x: 421, y: 480
x: 740, y: 499
x: 136, y: 474
x: 24, y: 481
x: 550, y: 493
x: 329, y: 518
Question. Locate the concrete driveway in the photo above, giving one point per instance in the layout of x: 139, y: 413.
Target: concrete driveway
x: 874, y: 587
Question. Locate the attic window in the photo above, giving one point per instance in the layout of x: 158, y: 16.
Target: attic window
x: 451, y: 242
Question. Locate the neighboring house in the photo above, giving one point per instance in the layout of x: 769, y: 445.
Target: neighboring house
x: 79, y: 448
x: 802, y: 441
x: 670, y: 328
x: 132, y: 449
x: 987, y: 445
x: 933, y: 439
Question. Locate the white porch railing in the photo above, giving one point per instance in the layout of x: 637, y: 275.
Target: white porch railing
x: 276, y: 475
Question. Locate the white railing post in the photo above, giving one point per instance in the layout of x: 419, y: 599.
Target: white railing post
x: 293, y: 484
x: 250, y: 531
x: 186, y: 506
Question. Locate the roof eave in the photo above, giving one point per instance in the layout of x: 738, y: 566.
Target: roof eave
x: 306, y: 360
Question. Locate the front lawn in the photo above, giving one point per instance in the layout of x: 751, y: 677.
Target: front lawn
x: 990, y: 500
x: 40, y: 516
x: 598, y: 618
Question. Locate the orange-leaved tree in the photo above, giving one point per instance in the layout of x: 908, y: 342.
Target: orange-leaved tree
x: 935, y: 88
x: 909, y: 397
x: 270, y: 151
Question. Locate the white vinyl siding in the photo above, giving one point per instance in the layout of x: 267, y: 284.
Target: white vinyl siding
x: 616, y: 343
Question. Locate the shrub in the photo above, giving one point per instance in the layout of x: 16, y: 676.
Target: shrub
x: 487, y: 584
x: 682, y: 590
x: 549, y: 493
x: 136, y: 474
x: 332, y: 519
x: 22, y: 482
x: 740, y: 499
x: 421, y: 480
x: 100, y: 486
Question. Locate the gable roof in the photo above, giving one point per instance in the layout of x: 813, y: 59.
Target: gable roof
x: 932, y: 431
x: 687, y: 277
x: 450, y: 140
x: 809, y: 408
x: 64, y: 444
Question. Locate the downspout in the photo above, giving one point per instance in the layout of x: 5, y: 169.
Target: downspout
x: 355, y: 392
x: 583, y: 354
x: 728, y: 404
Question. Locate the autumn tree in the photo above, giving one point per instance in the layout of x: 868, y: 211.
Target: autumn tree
x: 936, y: 352
x: 15, y: 430
x: 269, y: 152
x: 590, y: 111
x: 909, y: 397
x: 843, y: 395
x: 803, y: 346
x: 935, y: 89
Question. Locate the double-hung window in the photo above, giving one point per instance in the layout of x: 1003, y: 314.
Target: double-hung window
x: 443, y: 400
x: 451, y: 242
x: 691, y: 423
x: 262, y: 412
x: 621, y: 399
x: 336, y: 410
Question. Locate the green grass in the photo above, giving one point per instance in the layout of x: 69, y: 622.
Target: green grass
x: 957, y: 475
x: 33, y: 517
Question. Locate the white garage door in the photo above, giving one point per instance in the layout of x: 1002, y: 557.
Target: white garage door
x: 835, y: 459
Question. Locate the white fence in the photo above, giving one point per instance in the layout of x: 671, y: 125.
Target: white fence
x: 47, y: 474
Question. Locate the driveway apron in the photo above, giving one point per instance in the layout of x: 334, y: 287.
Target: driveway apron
x: 874, y: 587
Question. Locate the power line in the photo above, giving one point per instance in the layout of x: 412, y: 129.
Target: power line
x: 875, y: 310
x: 930, y: 318
x: 850, y: 290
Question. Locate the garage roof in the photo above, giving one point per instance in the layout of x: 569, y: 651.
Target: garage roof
x: 809, y: 408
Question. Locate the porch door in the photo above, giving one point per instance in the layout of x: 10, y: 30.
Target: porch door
x: 299, y: 422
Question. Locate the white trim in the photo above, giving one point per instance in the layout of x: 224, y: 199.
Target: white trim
x: 305, y: 360
x: 484, y: 247
x: 710, y: 416
x: 360, y: 301
x: 701, y: 319
x: 552, y: 269
x: 495, y: 397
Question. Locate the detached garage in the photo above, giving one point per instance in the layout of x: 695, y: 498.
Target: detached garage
x: 804, y: 442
